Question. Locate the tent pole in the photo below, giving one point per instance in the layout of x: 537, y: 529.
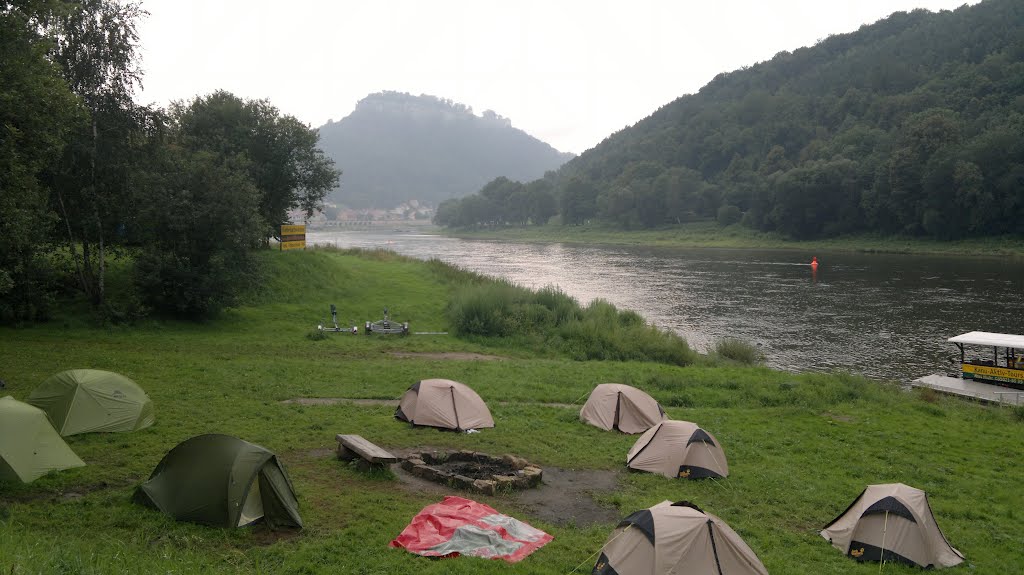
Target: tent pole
x: 714, y: 548
x: 885, y: 526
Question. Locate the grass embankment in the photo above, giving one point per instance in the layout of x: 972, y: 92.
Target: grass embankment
x: 800, y: 447
x: 711, y: 235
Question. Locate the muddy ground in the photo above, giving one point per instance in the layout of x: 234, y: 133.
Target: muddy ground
x: 565, y: 496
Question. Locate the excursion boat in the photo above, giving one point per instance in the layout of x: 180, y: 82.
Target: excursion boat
x: 1000, y: 363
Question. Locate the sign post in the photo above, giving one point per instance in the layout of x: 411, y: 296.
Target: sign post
x: 293, y: 237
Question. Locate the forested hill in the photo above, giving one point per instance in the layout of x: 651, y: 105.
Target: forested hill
x: 912, y: 125
x: 396, y: 147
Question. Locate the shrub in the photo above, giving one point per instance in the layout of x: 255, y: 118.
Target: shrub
x: 739, y: 351
x: 551, y: 319
x: 728, y: 215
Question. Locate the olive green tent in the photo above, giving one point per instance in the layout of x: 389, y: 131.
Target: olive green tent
x: 29, y: 446
x: 87, y: 400
x: 222, y: 481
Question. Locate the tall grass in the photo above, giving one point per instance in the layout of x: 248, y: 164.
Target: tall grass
x: 737, y: 350
x: 548, y: 319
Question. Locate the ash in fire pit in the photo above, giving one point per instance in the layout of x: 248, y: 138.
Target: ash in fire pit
x: 474, y: 471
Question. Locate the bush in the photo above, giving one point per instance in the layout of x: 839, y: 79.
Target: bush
x: 728, y: 215
x: 550, y: 319
x: 739, y: 351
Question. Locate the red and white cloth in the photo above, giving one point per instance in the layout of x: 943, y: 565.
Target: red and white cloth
x: 458, y: 526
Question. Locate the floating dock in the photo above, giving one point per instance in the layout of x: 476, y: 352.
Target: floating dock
x: 972, y: 389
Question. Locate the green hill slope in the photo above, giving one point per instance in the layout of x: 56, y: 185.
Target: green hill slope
x: 913, y: 125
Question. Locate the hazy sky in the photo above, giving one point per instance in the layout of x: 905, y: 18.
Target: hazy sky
x: 568, y: 72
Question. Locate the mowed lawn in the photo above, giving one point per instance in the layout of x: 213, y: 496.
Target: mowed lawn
x: 800, y: 447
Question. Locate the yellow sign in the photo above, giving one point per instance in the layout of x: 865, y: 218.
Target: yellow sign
x: 293, y: 237
x: 996, y: 371
x: 990, y: 373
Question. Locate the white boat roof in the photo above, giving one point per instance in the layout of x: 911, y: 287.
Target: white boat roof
x: 990, y: 339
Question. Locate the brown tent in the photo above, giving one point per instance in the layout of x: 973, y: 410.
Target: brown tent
x: 678, y: 449
x: 621, y: 407
x: 444, y: 403
x: 891, y: 522
x: 675, y: 538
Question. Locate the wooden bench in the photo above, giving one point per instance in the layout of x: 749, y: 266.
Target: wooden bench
x: 353, y: 446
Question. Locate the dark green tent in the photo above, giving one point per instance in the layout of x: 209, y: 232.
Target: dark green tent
x: 223, y: 481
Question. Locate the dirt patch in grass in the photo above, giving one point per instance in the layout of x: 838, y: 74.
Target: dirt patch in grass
x: 335, y: 400
x: 452, y: 355
x: 394, y: 402
x: 564, y: 497
x: 837, y: 417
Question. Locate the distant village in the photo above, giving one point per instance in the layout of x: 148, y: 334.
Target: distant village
x: 411, y: 212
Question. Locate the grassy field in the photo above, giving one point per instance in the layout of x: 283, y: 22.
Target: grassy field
x: 710, y: 234
x: 800, y: 447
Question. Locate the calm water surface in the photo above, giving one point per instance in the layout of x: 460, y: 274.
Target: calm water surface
x: 880, y: 315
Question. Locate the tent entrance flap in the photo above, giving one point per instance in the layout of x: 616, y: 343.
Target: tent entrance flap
x: 252, y: 509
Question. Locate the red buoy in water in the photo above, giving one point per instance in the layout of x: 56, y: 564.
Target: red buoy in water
x: 814, y: 263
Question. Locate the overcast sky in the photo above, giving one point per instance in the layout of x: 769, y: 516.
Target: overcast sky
x: 568, y: 72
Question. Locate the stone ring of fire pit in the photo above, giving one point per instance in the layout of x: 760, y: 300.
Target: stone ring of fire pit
x: 474, y: 471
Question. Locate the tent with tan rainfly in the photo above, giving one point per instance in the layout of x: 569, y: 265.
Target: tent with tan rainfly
x: 676, y: 538
x: 92, y: 400
x: 29, y: 446
x: 622, y: 407
x: 892, y: 522
x: 445, y: 404
x: 678, y: 449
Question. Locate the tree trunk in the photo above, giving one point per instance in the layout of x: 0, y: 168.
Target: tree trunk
x: 101, y: 264
x: 71, y: 246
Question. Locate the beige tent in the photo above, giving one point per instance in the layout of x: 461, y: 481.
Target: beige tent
x: 621, y: 407
x: 678, y: 449
x: 675, y: 538
x: 444, y: 403
x: 891, y: 522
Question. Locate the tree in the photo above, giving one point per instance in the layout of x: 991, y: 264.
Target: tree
x: 284, y: 162
x: 578, y: 202
x: 201, y: 216
x: 36, y: 112
x: 95, y: 46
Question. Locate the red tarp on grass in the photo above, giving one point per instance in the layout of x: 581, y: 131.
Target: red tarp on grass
x: 458, y: 526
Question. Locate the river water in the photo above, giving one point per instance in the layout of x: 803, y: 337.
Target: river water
x: 884, y: 316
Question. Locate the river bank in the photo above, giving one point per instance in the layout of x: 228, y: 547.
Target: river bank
x: 811, y: 441
x: 711, y: 235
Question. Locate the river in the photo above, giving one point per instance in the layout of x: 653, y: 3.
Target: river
x: 884, y: 316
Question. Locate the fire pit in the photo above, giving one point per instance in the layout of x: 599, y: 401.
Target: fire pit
x: 474, y: 471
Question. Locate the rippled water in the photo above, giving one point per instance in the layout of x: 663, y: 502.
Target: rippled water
x: 880, y: 315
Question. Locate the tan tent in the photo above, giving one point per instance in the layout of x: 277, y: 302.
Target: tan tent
x: 444, y: 403
x: 621, y: 407
x: 891, y: 522
x: 678, y: 449
x: 675, y: 538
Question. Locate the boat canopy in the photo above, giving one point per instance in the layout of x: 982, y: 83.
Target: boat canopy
x: 990, y: 339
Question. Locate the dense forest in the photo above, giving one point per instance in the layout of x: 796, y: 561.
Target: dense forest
x: 911, y: 126
x: 175, y: 199
x: 396, y: 147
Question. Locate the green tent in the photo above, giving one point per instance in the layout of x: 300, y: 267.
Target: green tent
x: 29, y: 446
x: 223, y: 481
x: 87, y: 400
